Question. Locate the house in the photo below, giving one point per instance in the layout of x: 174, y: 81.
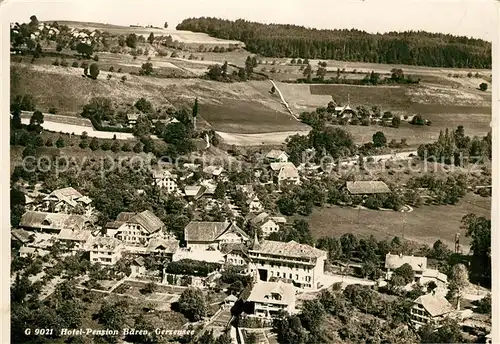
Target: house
x: 367, y: 187
x: 209, y: 256
x: 161, y: 247
x: 433, y: 275
x: 52, y: 222
x: 271, y: 298
x: 286, y: 172
x: 430, y: 309
x: 66, y: 200
x: 201, y: 235
x: 29, y: 203
x: 138, y: 267
x: 132, y: 118
x: 235, y: 254
x: 105, y: 250
x: 214, y: 171
x: 21, y: 236
x: 300, y: 263
x: 78, y: 238
x: 165, y: 180
x: 277, y: 155
x: 394, y: 261
x: 194, y: 192
x: 254, y: 204
x: 135, y: 228
x: 229, y: 301
x: 344, y: 111
x: 26, y: 251
x: 268, y: 224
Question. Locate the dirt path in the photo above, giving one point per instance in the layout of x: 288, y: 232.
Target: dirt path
x: 274, y: 138
x: 283, y: 99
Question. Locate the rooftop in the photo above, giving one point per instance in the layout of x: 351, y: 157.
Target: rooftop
x: 394, y: 261
x: 209, y: 231
x: 168, y: 246
x: 39, y: 219
x: 435, y: 304
x: 288, y: 172
x: 276, y: 166
x: 275, y: 154
x: 146, y: 219
x: 69, y: 195
x: 367, y: 187
x: 289, y: 249
x: 272, y: 292
x: 78, y: 235
x: 108, y: 242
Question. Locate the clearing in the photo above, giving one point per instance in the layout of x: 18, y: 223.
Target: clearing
x: 424, y: 225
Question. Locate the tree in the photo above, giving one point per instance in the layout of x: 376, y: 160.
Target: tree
x: 321, y: 73
x: 459, y: 280
x: 144, y: 105
x: 94, y: 144
x: 165, y: 25
x: 479, y: 229
x: 137, y: 147
x: 36, y: 119
x: 440, y: 251
x: 405, y: 271
x: 312, y: 316
x: 143, y: 127
x: 131, y: 41
x: 195, y: 112
x: 483, y: 86
x: 379, y: 139
x: 448, y: 332
x: 220, y: 191
x: 192, y: 304
x: 146, y: 69
x: 289, y: 329
x: 60, y: 142
x: 308, y: 72
x: 94, y: 71
x: 396, y: 121
x: 151, y: 38
x: 84, y: 49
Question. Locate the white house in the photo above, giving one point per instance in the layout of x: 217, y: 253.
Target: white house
x: 214, y: 171
x: 105, y: 250
x: 132, y: 118
x: 270, y: 298
x: 165, y: 180
x: 286, y: 172
x: 394, y: 261
x: 268, y: 224
x: 430, y: 309
x: 201, y: 235
x: 135, y: 228
x: 254, y: 204
x: 277, y: 155
x: 289, y: 261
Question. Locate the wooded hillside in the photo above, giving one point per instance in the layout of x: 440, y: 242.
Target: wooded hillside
x: 411, y: 48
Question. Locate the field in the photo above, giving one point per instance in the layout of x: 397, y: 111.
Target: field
x: 424, y: 225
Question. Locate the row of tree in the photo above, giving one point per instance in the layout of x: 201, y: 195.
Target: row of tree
x: 411, y: 48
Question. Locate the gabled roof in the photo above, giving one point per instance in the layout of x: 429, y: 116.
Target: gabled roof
x: 433, y: 273
x: 194, y: 191
x: 69, y: 195
x: 394, y: 261
x: 262, y: 292
x: 278, y: 219
x: 39, y: 219
x: 290, y: 249
x: 259, y: 218
x: 139, y: 261
x: 133, y: 116
x: 367, y: 187
x: 231, y: 298
x: 21, y: 235
x: 146, y: 219
x: 167, y: 246
x: 276, y: 166
x: 275, y: 154
x: 288, y: 172
x: 160, y: 174
x: 68, y: 234
x: 435, y: 304
x: 213, y: 170
x: 108, y: 242
x: 209, y: 231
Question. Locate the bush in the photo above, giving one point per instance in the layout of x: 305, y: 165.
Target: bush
x: 111, y: 69
x: 483, y: 86
x: 124, y: 78
x: 119, y: 70
x: 74, y: 64
x: 94, y: 70
x: 96, y: 58
x: 64, y: 63
x: 56, y: 63
x: 52, y: 110
x: 60, y: 142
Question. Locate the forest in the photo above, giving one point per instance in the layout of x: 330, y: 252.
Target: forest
x: 409, y: 48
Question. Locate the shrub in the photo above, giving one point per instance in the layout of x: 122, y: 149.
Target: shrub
x: 483, y: 86
x: 60, y: 142
x: 64, y: 63
x: 111, y: 69
x: 56, y: 63
x: 94, y: 70
x: 74, y: 64
x: 52, y: 110
x: 119, y: 70
x: 124, y: 78
x: 96, y: 58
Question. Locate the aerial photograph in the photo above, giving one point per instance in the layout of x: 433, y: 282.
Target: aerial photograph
x: 270, y: 172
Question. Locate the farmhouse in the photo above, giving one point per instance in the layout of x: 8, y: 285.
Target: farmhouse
x: 210, y: 235
x: 300, y: 263
x: 235, y: 254
x: 276, y: 155
x: 135, y: 228
x: 66, y: 200
x: 165, y: 180
x: 105, y: 250
x: 344, y: 111
x: 367, y: 187
x: 394, y: 261
x: 52, y: 222
x: 430, y: 309
x: 194, y: 192
x: 78, y: 238
x: 138, y: 267
x: 268, y: 224
x: 286, y: 172
x: 161, y: 247
x: 270, y: 298
x: 214, y: 171
x: 435, y: 276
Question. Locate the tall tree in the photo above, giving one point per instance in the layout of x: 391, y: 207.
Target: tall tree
x: 194, y: 112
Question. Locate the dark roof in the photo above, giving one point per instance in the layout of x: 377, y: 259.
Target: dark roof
x: 39, y: 219
x: 209, y: 231
x: 146, y: 219
x: 21, y: 235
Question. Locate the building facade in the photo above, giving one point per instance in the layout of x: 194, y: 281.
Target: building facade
x: 105, y: 250
x: 430, y: 309
x: 135, y: 228
x: 272, y: 298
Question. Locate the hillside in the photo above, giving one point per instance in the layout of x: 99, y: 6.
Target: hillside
x: 410, y: 48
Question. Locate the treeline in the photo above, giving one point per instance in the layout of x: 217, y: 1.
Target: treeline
x: 411, y: 48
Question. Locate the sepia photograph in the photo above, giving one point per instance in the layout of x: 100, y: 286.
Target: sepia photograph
x: 264, y: 172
